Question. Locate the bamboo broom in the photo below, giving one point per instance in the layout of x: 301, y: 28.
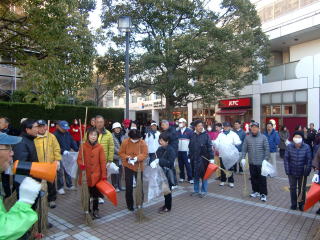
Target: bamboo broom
x: 140, y: 217
x: 245, y: 191
x: 300, y: 200
x: 85, y: 197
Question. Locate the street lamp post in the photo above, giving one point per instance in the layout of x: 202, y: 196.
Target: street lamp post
x: 124, y: 24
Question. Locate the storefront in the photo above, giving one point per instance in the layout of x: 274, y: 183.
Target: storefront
x: 204, y: 112
x: 232, y: 110
x: 285, y: 109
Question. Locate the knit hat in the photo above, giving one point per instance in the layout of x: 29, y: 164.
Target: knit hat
x: 300, y: 133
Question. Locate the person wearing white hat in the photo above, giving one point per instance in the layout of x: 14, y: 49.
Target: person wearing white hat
x: 152, y: 141
x: 184, y: 135
x: 118, y: 138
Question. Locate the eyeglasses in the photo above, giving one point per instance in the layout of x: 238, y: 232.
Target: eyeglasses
x: 9, y: 148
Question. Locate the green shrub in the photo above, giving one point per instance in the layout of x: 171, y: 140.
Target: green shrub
x: 16, y: 111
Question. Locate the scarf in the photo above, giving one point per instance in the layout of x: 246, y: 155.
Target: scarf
x: 226, y: 132
x: 118, y: 136
x: 153, y: 133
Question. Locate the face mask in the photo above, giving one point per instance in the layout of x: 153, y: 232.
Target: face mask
x: 133, y: 128
x: 134, y: 141
x: 209, y: 129
x: 52, y: 125
x: 297, y: 140
x: 181, y: 125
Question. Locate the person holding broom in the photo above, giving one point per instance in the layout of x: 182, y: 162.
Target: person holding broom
x: 133, y: 152
x: 297, y: 164
x: 94, y: 163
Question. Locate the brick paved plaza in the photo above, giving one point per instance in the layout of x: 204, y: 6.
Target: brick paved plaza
x: 223, y: 214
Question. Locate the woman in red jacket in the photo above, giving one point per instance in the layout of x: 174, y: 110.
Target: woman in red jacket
x: 75, y: 131
x: 94, y: 164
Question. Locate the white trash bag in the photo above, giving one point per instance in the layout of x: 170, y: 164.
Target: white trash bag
x: 157, y: 182
x: 267, y: 169
x: 69, y: 162
x: 229, y: 154
x: 112, y: 168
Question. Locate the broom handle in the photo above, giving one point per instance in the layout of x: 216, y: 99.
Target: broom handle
x: 82, y: 155
x: 224, y: 170
x: 85, y: 117
x: 46, y: 155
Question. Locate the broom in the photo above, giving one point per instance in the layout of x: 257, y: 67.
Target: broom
x: 85, y: 197
x: 228, y: 173
x: 140, y: 217
x: 245, y: 191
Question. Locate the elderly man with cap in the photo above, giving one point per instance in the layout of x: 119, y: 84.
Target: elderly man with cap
x: 48, y: 150
x: 297, y: 164
x: 184, y: 135
x: 20, y: 218
x: 152, y: 141
x: 256, y: 145
x: 67, y: 144
x: 227, y: 137
x: 118, y: 137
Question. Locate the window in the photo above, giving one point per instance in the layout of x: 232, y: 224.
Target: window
x: 116, y: 101
x: 301, y: 96
x: 276, y: 109
x: 265, y: 99
x: 301, y: 108
x: 194, y: 112
x: 266, y: 110
x: 134, y: 99
x: 288, y: 97
x: 287, y: 109
x: 276, y: 98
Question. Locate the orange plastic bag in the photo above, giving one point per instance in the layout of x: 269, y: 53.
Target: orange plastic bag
x: 313, y: 196
x: 108, y: 190
x: 210, y: 170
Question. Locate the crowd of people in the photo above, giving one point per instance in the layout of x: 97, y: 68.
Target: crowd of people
x: 131, y: 148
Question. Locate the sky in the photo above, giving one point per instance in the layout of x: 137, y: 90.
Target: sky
x: 95, y: 21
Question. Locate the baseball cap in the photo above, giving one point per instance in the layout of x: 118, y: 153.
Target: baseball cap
x: 64, y: 125
x: 41, y: 122
x: 226, y: 124
x: 181, y: 120
x: 6, y: 139
x: 256, y: 124
x: 153, y: 123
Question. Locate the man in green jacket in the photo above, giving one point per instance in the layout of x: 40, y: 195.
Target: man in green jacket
x: 105, y: 139
x: 20, y: 218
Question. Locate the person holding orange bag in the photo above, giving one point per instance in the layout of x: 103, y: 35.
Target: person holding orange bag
x: 94, y: 165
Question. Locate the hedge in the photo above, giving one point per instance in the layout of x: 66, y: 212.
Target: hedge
x: 16, y: 111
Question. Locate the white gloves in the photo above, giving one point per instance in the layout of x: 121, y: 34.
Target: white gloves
x: 66, y: 153
x: 58, y: 165
x: 243, y: 163
x: 211, y: 161
x: 29, y: 190
x: 315, y: 178
x: 154, y: 163
x: 132, y: 161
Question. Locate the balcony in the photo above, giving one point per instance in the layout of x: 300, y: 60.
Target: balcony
x: 281, y: 72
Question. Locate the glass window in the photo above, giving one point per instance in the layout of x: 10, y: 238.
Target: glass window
x: 211, y: 112
x: 301, y: 108
x: 276, y: 109
x: 288, y: 97
x: 276, y: 98
x: 301, y: 96
x: 194, y: 105
x: 265, y: 99
x: 134, y: 99
x: 266, y: 110
x: 287, y: 109
x: 194, y: 112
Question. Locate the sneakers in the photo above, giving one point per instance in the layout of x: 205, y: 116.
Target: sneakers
x: 263, y: 198
x: 194, y: 194
x: 222, y: 184
x: 101, y: 201
x: 52, y: 204
x: 117, y: 190
x: 202, y: 195
x: 191, y: 182
x: 231, y: 185
x: 255, y: 195
x: 174, y: 187
x: 181, y: 180
x: 96, y: 214
x: 61, y: 191
x: 72, y: 188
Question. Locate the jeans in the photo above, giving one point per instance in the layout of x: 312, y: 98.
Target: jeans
x: 184, y: 162
x: 116, y: 178
x: 296, y: 181
x: 204, y: 187
x: 258, y: 182
x: 60, y: 180
x: 129, y: 174
x: 223, y: 175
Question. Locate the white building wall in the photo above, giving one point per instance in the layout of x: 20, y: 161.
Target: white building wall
x: 302, y: 50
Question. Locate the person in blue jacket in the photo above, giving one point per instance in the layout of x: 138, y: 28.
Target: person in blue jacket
x: 274, y: 141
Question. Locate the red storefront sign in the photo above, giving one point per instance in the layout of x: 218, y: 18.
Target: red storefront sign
x: 234, y: 103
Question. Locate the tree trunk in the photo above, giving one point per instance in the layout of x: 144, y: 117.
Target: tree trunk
x: 168, y: 115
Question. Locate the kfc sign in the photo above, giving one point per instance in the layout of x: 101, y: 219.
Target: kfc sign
x: 234, y: 103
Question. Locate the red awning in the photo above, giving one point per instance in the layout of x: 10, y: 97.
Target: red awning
x: 232, y: 112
